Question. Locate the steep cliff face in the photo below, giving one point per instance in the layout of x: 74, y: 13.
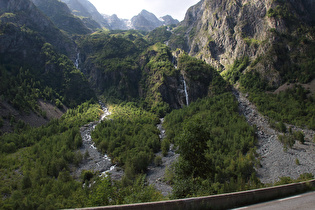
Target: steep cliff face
x: 60, y: 15
x: 221, y: 31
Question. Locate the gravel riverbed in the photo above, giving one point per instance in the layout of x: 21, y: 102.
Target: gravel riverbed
x: 275, y: 161
x: 93, y: 159
x: 156, y: 174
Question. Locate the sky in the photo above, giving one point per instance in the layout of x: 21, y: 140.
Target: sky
x: 128, y: 8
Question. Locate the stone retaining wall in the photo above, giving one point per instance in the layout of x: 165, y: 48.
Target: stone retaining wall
x: 224, y: 201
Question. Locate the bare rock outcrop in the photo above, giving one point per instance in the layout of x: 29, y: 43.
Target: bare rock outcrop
x: 222, y: 31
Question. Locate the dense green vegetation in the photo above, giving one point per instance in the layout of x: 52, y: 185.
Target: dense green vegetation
x: 282, y: 10
x: 298, y: 64
x: 294, y: 105
x: 139, y: 74
x: 36, y: 173
x: 114, y: 55
x: 155, y: 73
x: 131, y: 138
x: 105, y: 192
x: 47, y: 74
x: 216, y: 147
x: 22, y: 91
x: 234, y: 73
x: 160, y: 34
x: 178, y: 38
x: 203, y: 79
x: 291, y: 106
x: 36, y: 165
x: 23, y: 87
x: 63, y: 77
x: 37, y: 67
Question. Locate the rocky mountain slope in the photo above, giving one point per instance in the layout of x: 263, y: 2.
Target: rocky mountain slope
x: 84, y: 8
x: 26, y: 14
x: 61, y: 16
x: 145, y: 21
x: 275, y: 160
x: 115, y: 23
x: 277, y: 36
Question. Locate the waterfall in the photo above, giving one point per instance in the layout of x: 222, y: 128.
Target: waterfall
x: 186, y: 93
x: 174, y: 62
x: 77, y: 60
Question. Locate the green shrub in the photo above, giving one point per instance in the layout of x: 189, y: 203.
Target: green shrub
x: 87, y: 176
x: 286, y: 140
x: 281, y: 127
x: 158, y: 160
x: 299, y: 136
x: 1, y: 122
x: 284, y: 180
x: 165, y: 146
x: 305, y: 177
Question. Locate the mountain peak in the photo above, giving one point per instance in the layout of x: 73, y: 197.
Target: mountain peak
x: 169, y: 20
x: 145, y: 12
x: 145, y: 21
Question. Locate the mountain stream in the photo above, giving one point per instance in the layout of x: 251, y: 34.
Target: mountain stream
x: 93, y: 160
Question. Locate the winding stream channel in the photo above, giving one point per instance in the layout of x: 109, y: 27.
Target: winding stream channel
x: 275, y: 162
x: 93, y: 160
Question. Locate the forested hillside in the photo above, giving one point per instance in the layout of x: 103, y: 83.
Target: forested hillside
x: 35, y: 62
x: 230, y: 80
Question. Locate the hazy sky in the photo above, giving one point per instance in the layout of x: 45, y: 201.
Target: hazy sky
x: 129, y: 8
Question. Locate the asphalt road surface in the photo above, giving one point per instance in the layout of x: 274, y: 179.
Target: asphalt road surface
x: 304, y: 201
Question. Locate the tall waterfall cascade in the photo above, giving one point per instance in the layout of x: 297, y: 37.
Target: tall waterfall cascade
x: 186, y: 92
x: 174, y: 62
x: 76, y: 63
